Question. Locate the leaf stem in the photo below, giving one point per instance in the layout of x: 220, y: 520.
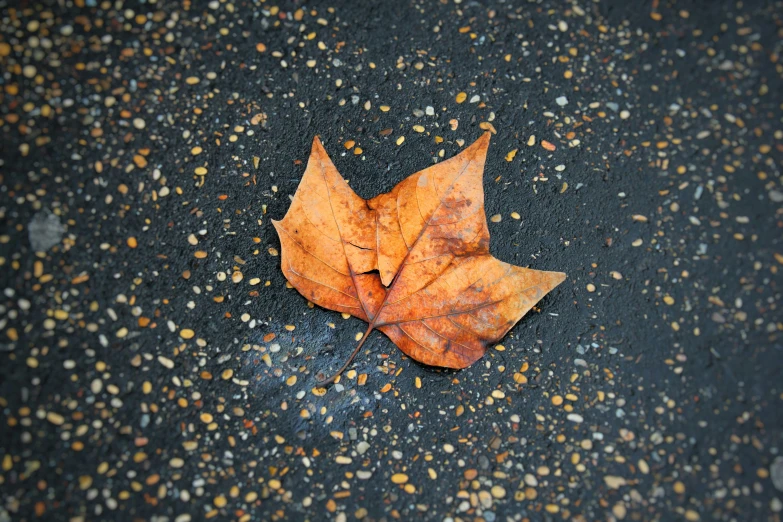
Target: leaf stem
x: 350, y: 358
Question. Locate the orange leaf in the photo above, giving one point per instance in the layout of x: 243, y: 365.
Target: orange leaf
x: 438, y: 294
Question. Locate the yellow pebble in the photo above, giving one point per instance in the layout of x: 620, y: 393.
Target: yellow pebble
x: 399, y: 478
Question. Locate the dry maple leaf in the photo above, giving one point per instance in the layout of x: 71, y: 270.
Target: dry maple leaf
x: 413, y: 263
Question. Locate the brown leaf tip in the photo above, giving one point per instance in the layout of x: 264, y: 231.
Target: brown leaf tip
x: 478, y: 149
x: 558, y: 277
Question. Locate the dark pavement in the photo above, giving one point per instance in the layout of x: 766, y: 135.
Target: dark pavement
x: 155, y: 366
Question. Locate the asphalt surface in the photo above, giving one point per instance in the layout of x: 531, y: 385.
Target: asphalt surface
x: 155, y: 366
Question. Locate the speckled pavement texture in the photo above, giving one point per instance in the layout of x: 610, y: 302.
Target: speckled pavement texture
x: 154, y: 365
